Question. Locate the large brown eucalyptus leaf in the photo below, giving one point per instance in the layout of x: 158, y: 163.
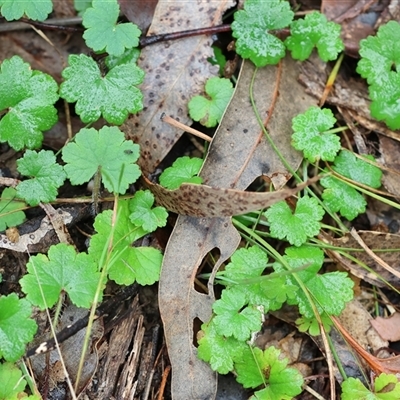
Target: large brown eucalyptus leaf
x: 238, y: 154
x: 175, y: 72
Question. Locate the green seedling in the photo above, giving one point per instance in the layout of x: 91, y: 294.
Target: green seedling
x: 33, y: 9
x: 183, y: 170
x: 10, y: 209
x: 46, y: 177
x: 311, y: 136
x: 27, y: 97
x: 91, y: 149
x: 112, y: 96
x: 127, y: 264
x: 296, y: 227
x: 209, y: 111
x: 387, y: 387
x: 379, y: 64
x: 103, y: 33
x: 314, y: 31
x: 16, y: 327
x: 13, y: 384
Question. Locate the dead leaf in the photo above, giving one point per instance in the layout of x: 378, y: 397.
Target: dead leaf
x: 238, y: 155
x: 139, y: 12
x: 376, y: 275
x: 190, y: 241
x: 388, y: 328
x: 175, y: 71
x: 207, y: 201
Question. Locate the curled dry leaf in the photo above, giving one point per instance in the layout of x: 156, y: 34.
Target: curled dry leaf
x: 207, y: 201
x: 175, y: 71
x: 238, y: 155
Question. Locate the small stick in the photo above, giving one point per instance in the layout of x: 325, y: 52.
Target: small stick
x: 169, y: 120
x: 148, y: 40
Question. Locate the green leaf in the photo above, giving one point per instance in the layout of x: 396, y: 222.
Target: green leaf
x: 385, y: 104
x: 310, y: 136
x: 112, y: 96
x: 311, y: 325
x: 249, y: 264
x: 218, y: 350
x: 12, y: 383
x: 103, y: 33
x: 387, y: 387
x: 259, y: 367
x: 33, y: 9
x: 62, y: 271
x: 209, y: 111
x: 339, y: 196
x: 142, y: 213
x: 82, y: 5
x: 106, y: 149
x: 314, y: 31
x: 358, y: 170
x: 28, y: 97
x: 233, y: 318
x: 127, y: 263
x: 308, y: 257
x: 380, y: 54
x: 182, y: 171
x: 246, y: 263
x: 380, y: 64
x: 218, y: 59
x: 129, y: 56
x: 295, y: 227
x: 11, y: 213
x: 16, y: 327
x: 47, y: 176
x: 251, y: 26
x: 337, y: 284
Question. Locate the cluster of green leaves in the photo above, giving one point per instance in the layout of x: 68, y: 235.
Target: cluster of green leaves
x: 255, y: 24
x: 26, y: 110
x: 295, y: 280
x: 379, y: 64
x: 248, y: 294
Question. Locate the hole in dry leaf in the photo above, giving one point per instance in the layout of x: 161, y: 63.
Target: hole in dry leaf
x: 196, y: 331
x: 205, y: 269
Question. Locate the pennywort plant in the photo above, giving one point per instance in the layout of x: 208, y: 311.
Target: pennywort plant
x: 254, y: 286
x: 27, y: 99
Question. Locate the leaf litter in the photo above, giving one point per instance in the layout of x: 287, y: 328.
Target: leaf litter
x: 228, y: 170
x: 236, y: 157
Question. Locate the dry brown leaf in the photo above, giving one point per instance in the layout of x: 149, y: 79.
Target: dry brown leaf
x: 139, y: 12
x: 175, y: 71
x: 207, y: 201
x: 388, y: 328
x: 236, y: 158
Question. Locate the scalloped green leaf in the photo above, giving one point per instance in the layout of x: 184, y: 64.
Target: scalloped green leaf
x: 251, y: 28
x: 103, y: 32
x: 112, y: 96
x: 46, y: 177
x: 106, y: 149
x: 314, y: 31
x: 28, y: 98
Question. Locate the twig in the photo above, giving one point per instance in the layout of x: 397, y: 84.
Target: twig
x: 148, y: 40
x: 169, y: 120
x: 52, y: 24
